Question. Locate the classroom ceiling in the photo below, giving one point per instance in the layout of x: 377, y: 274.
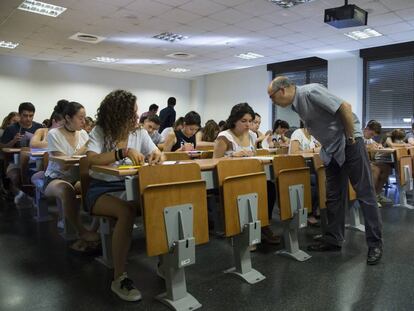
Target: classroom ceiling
x: 217, y: 30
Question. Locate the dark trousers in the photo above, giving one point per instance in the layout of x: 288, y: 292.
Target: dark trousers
x: 357, y: 169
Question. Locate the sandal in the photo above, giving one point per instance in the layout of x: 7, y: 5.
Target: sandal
x: 86, y: 248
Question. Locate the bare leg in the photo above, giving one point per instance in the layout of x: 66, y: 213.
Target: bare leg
x: 125, y: 214
x: 67, y: 194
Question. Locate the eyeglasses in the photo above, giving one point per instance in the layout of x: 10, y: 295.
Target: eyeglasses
x: 274, y: 92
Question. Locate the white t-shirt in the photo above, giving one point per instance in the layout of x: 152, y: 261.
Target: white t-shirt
x: 56, y: 141
x: 304, y: 142
x: 138, y: 140
x: 235, y: 145
x: 165, y: 133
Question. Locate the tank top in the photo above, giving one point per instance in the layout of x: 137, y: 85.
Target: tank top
x: 182, y: 139
x: 235, y: 146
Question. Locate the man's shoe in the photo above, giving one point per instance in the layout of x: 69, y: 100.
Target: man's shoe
x: 374, y: 255
x: 324, y: 247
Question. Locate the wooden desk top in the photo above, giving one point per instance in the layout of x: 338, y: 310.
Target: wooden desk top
x: 11, y: 150
x: 383, y: 150
x: 114, y: 170
x: 205, y: 165
x: 36, y: 153
x: 66, y: 160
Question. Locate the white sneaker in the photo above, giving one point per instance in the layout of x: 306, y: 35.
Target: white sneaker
x: 125, y: 289
x: 22, y: 200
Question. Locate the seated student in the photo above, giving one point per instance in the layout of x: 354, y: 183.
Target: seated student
x: 239, y: 141
x: 208, y: 134
x: 279, y: 138
x: 152, y: 124
x: 302, y: 141
x: 10, y: 119
x: 396, y: 139
x: 222, y: 125
x: 255, y: 126
x: 39, y: 139
x: 18, y: 135
x: 178, y: 125
x: 380, y: 170
x: 115, y: 138
x: 62, y: 182
x: 89, y: 124
x: 184, y: 139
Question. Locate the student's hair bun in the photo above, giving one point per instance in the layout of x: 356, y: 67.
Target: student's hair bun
x: 60, y: 106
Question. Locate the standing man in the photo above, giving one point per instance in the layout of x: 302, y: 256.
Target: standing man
x: 167, y: 115
x: 331, y: 121
x: 153, y: 109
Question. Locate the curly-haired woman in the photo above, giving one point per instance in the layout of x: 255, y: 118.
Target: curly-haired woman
x: 115, y: 138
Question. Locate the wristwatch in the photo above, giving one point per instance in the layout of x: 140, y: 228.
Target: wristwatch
x: 350, y: 140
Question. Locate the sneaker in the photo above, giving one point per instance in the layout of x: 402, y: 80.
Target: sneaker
x: 22, y: 200
x: 125, y: 289
x: 383, y: 200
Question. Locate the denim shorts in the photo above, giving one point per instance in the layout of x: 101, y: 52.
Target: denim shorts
x: 100, y: 187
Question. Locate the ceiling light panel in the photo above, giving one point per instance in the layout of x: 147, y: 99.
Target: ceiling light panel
x: 170, y: 37
x: 8, y: 45
x: 249, y: 55
x: 103, y: 59
x: 41, y: 8
x: 286, y: 4
x: 179, y: 70
x: 363, y: 34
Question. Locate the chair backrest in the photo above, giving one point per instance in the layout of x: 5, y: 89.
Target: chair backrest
x: 403, y: 159
x: 176, y: 156
x: 291, y: 170
x: 232, y: 167
x: 84, y: 178
x: 24, y: 166
x: 240, y: 177
x: 161, y: 174
x: 282, y: 150
x: 283, y: 162
x: 166, y: 186
x: 45, y: 160
x: 262, y: 152
x: 352, y: 196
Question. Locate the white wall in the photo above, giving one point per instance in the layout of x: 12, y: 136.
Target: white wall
x: 345, y: 79
x: 224, y: 90
x: 213, y: 96
x: 43, y: 83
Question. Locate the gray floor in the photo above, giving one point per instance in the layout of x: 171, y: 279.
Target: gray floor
x: 37, y: 272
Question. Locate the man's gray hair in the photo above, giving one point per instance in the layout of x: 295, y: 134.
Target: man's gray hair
x: 281, y: 82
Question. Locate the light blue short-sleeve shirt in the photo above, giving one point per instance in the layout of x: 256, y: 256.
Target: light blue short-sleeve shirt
x: 317, y: 107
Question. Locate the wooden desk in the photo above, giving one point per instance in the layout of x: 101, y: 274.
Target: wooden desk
x: 11, y: 155
x: 11, y: 150
x: 385, y: 151
x: 66, y: 160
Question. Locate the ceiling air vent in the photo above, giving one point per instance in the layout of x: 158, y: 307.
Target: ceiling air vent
x: 85, y: 37
x: 181, y: 55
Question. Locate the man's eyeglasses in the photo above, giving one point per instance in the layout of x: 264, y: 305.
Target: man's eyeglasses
x: 274, y: 92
